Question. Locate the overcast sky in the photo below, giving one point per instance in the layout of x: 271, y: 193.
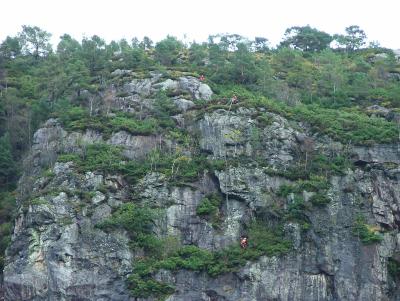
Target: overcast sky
x: 196, y: 20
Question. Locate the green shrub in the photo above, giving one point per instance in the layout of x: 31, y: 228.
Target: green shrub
x: 284, y: 190
x: 72, y: 114
x: 38, y: 201
x: 144, y: 287
x: 48, y: 173
x: 209, y: 209
x: 138, y: 222
x: 96, y: 157
x: 314, y: 184
x: 228, y: 90
x: 78, y: 119
x: 147, y: 126
x: 132, y: 218
x: 297, y: 208
x: 100, y: 157
x: 163, y: 109
x: 188, y: 257
x: 229, y: 260
x: 323, y: 165
x: 68, y: 158
x: 134, y: 170
x: 349, y: 126
x: 209, y: 205
x: 268, y: 241
x: 319, y: 200
x: 188, y: 169
x: 367, y: 234
x: 180, y: 136
x: 393, y: 267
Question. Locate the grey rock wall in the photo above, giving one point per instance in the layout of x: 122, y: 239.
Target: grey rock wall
x: 58, y: 253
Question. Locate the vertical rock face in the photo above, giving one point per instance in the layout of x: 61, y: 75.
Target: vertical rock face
x: 59, y: 253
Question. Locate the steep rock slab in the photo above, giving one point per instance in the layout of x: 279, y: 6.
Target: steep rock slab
x: 58, y: 254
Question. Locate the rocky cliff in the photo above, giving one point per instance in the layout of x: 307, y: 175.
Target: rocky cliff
x: 337, y: 205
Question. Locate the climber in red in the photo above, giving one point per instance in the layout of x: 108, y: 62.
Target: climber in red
x: 202, y: 78
x: 234, y: 99
x: 243, y: 242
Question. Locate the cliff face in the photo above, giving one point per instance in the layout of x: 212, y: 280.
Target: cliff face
x: 58, y: 252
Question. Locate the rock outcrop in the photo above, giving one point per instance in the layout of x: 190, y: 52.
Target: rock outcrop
x: 186, y: 84
x: 58, y: 252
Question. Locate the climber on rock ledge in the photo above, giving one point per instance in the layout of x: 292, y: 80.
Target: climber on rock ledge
x: 243, y: 242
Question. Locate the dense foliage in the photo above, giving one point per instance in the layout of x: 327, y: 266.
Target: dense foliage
x: 368, y: 234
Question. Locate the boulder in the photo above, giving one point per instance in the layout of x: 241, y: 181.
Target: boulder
x: 183, y: 104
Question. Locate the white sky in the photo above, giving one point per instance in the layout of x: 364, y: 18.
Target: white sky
x: 118, y: 19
